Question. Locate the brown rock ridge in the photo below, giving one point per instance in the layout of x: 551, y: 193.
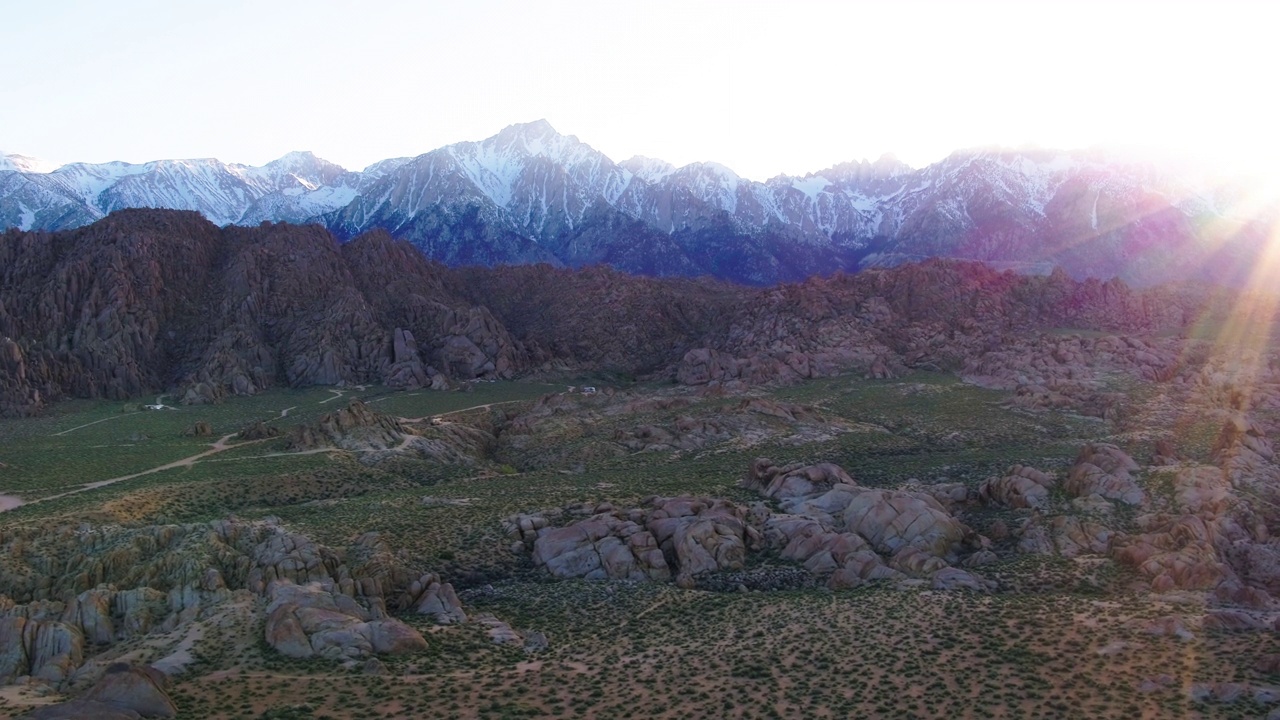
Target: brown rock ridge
x: 149, y: 300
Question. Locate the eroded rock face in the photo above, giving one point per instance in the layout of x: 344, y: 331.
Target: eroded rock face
x: 703, y: 365
x: 40, y: 647
x: 121, y: 307
x: 145, y: 296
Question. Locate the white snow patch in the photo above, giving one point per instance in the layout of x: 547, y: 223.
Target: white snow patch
x: 811, y: 186
x: 28, y: 218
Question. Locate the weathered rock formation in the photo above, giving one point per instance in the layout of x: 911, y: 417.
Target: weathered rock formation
x: 1021, y: 487
x: 123, y: 692
x: 829, y: 524
x: 677, y: 538
x: 113, y: 584
x: 355, y: 427
x: 313, y: 620
x: 149, y: 300
x: 1105, y: 470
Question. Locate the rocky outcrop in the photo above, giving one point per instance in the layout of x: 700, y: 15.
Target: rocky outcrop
x: 704, y: 365
x: 795, y: 480
x: 32, y: 644
x: 317, y: 601
x: 1021, y: 487
x: 832, y: 527
x: 1102, y: 469
x: 858, y: 534
x: 355, y: 427
x: 429, y: 596
x: 199, y: 428
x: 314, y: 620
x: 678, y: 538
x: 124, y: 691
x: 1065, y: 535
x: 686, y: 433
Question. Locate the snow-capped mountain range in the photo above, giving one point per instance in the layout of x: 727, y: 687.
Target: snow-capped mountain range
x: 530, y: 194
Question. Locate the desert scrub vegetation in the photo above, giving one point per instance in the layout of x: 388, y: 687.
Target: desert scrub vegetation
x: 1057, y: 638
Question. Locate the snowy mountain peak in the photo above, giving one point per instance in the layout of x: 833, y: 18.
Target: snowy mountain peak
x: 713, y: 169
x: 650, y: 170
x: 25, y: 164
x: 296, y: 168
x: 298, y: 159
x: 529, y: 130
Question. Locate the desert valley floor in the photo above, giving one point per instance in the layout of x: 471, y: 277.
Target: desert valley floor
x: 1058, y: 575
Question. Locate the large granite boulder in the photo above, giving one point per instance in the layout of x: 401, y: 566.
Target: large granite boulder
x: 1020, y: 487
x: 1105, y: 470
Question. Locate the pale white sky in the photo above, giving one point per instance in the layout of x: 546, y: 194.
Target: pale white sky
x: 762, y: 87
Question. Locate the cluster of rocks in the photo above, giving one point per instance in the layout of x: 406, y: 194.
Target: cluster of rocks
x: 1052, y: 372
x: 1209, y: 535
x: 315, y: 620
x: 744, y: 423
x: 355, y: 427
x: 831, y: 526
x: 1021, y: 487
x: 377, y: 437
x: 115, y: 584
x: 1104, y: 470
x: 666, y: 538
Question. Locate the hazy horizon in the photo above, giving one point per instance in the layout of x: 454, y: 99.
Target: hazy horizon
x: 762, y: 89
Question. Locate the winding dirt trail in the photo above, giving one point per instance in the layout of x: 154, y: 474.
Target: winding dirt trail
x: 425, y: 418
x: 95, y: 422
x: 9, y: 502
x: 221, y: 445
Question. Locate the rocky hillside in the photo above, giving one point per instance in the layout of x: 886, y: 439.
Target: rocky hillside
x: 530, y: 194
x: 151, y: 301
